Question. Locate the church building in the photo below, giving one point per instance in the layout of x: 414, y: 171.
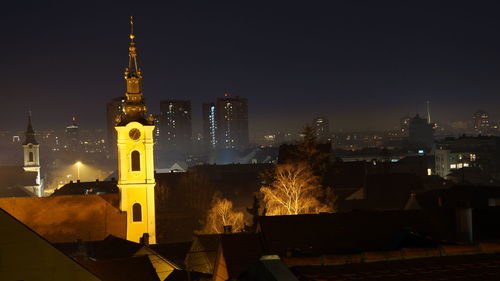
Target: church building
x: 127, y: 214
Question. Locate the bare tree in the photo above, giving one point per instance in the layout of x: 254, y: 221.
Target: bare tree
x: 295, y: 190
x: 221, y: 214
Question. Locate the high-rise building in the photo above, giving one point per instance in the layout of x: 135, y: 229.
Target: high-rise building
x: 481, y: 122
x: 421, y: 133
x: 322, y: 128
x: 209, y: 126
x: 136, y: 179
x: 72, y: 142
x: 232, y: 122
x: 176, y: 128
x: 114, y: 110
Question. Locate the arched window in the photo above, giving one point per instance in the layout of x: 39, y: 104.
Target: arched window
x: 136, y: 212
x: 136, y: 161
x: 30, y: 157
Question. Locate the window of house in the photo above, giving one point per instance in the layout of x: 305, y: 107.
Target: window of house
x: 30, y: 157
x: 136, y: 161
x: 136, y: 212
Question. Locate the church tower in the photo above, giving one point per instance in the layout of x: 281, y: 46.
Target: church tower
x: 135, y: 155
x: 32, y: 157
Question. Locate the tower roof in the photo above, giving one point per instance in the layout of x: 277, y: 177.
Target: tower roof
x: 134, y: 107
x: 30, y: 133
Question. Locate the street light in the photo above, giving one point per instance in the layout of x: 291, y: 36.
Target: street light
x: 78, y: 165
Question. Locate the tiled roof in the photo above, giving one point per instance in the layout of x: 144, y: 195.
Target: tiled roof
x: 13, y: 176
x: 310, y: 235
x: 83, y: 188
x: 69, y: 218
x: 124, y: 269
x: 465, y: 267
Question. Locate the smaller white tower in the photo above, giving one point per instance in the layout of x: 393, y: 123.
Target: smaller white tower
x: 32, y: 158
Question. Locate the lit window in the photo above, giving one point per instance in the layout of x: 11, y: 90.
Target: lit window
x: 472, y: 157
x: 453, y: 166
x: 137, y: 212
x: 466, y: 164
x: 459, y: 165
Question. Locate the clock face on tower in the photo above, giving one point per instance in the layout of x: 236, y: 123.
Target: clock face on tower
x: 134, y: 134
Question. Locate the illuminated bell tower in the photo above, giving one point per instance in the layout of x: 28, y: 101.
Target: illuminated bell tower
x: 32, y: 157
x: 135, y: 155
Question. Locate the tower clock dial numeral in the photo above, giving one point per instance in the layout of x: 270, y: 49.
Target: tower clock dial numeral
x: 134, y: 134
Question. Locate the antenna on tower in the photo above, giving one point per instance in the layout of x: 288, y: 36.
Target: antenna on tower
x: 428, y: 113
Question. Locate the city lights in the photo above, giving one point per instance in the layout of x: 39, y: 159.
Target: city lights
x: 78, y: 165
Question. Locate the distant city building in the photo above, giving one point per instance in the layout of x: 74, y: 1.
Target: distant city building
x: 421, y: 133
x: 209, y: 125
x: 481, y: 122
x: 464, y: 152
x: 404, y: 126
x: 72, y: 136
x: 114, y: 110
x: 175, y: 126
x: 156, y: 132
x: 322, y: 128
x: 232, y: 122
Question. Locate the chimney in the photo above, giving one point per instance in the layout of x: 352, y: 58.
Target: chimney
x: 228, y: 229
x: 145, y: 239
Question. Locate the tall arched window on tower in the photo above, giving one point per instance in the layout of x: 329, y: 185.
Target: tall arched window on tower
x: 136, y: 161
x: 30, y: 157
x: 136, y: 212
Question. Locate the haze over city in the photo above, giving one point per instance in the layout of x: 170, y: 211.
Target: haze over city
x: 363, y: 65
x: 248, y: 141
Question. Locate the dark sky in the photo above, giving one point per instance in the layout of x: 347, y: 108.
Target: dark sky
x: 363, y: 64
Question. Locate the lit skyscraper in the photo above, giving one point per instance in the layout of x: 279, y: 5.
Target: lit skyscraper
x: 481, y: 122
x: 114, y: 109
x: 175, y: 126
x: 72, y: 136
x: 209, y: 126
x: 232, y: 122
x: 322, y: 128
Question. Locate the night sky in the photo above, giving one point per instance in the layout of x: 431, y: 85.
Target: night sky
x: 363, y: 64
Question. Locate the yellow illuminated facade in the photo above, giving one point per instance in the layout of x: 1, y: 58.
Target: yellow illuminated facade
x: 135, y: 155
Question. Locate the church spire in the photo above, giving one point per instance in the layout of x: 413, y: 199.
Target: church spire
x: 30, y: 133
x: 132, y: 71
x: 134, y: 107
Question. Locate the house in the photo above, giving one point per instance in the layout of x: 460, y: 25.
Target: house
x: 14, y: 181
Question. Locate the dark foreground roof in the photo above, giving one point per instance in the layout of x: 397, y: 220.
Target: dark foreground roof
x: 306, y: 235
x: 182, y: 275
x: 466, y: 267
x: 84, y: 188
x: 125, y: 269
x: 110, y: 248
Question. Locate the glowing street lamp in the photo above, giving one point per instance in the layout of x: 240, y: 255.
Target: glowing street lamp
x: 78, y: 165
